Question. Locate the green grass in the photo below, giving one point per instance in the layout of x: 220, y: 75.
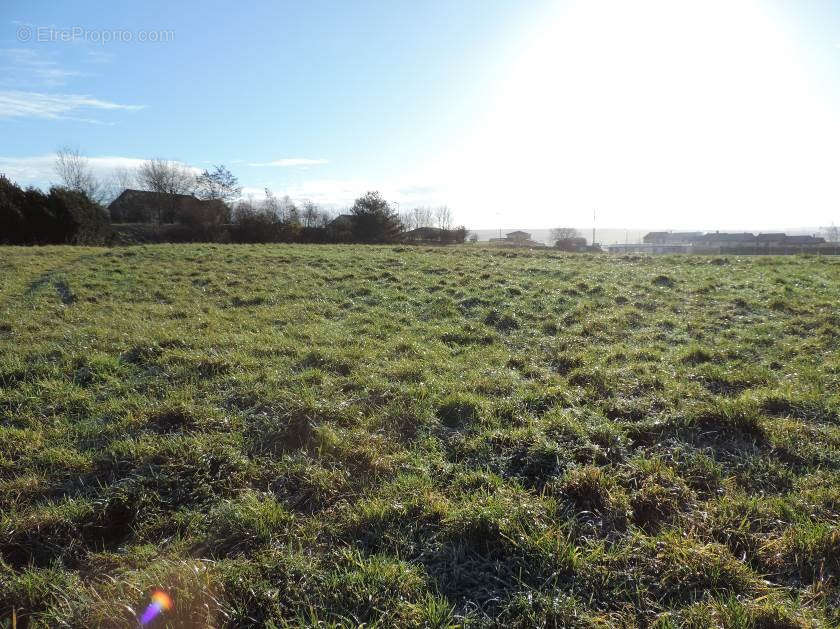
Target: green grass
x: 395, y: 436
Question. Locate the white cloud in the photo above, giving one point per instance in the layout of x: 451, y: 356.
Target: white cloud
x: 18, y: 104
x: 291, y: 161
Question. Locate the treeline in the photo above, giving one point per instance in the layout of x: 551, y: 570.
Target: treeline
x: 61, y: 216
x: 370, y: 220
x: 68, y: 215
x: 209, y: 206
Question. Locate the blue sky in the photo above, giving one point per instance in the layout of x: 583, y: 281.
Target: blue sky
x: 660, y: 114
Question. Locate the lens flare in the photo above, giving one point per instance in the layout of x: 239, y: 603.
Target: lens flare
x: 161, y: 602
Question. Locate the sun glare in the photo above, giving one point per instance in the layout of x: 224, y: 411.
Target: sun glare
x: 686, y: 112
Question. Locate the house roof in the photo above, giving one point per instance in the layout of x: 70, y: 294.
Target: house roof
x: 146, y: 196
x: 804, y: 240
x: 341, y: 220
x: 729, y: 237
x: 518, y: 233
x: 516, y: 242
x: 673, y: 237
x: 734, y: 237
x: 424, y: 231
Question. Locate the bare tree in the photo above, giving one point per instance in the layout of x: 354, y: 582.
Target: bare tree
x: 75, y: 173
x: 283, y: 210
x: 271, y: 205
x: 421, y: 217
x: 246, y: 208
x: 310, y: 213
x: 443, y: 217
x: 326, y: 217
x: 288, y: 210
x: 121, y: 179
x: 166, y: 178
x: 219, y: 184
x: 564, y: 233
x: 831, y: 233
x: 407, y: 220
x: 124, y: 178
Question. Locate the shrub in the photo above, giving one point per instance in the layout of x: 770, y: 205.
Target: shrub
x: 254, y: 227
x: 79, y: 220
x: 61, y: 217
x: 373, y: 220
x: 12, y: 200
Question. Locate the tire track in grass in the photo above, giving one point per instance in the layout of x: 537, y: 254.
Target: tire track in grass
x: 58, y: 281
x: 57, y: 277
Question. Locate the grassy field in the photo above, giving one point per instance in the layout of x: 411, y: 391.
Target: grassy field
x: 303, y: 435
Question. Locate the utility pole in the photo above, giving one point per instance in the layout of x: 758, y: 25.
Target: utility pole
x: 593, y: 227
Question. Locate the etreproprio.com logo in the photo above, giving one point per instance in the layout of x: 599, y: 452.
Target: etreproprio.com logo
x: 26, y: 33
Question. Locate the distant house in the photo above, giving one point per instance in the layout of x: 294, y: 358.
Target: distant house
x: 725, y: 240
x: 728, y: 237
x: 720, y: 242
x: 571, y: 244
x: 656, y: 238
x: 342, y: 220
x: 799, y: 241
x: 145, y: 206
x: 672, y: 238
x: 516, y: 239
x: 773, y: 239
x: 650, y: 248
x: 518, y: 235
x: 425, y: 234
x: 341, y: 227
x: 435, y: 235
